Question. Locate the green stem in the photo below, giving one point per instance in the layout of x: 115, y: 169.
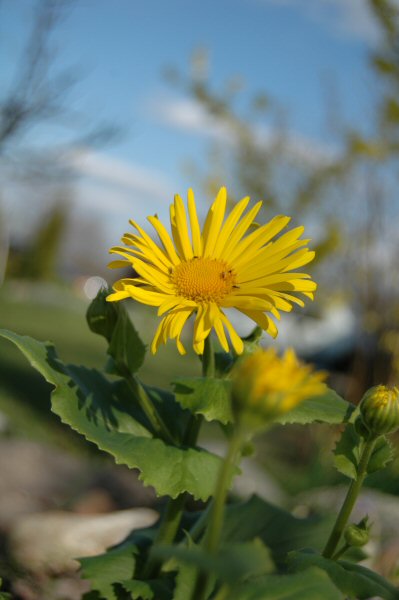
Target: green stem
x: 149, y: 409
x: 174, y: 511
x: 350, y: 499
x: 166, y: 532
x: 214, y: 529
x: 208, y: 358
x: 340, y: 552
x: 199, y: 526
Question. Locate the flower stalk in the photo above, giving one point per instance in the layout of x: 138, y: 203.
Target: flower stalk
x: 350, y: 500
x: 214, y: 529
x: 149, y: 409
x: 175, y: 507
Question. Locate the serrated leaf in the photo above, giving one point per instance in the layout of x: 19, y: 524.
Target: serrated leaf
x: 105, y: 570
x: 328, y: 408
x: 349, y: 448
x: 85, y: 400
x: 208, y: 396
x: 353, y: 580
x: 312, y: 584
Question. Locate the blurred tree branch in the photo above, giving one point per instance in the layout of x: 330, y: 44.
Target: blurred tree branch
x: 351, y: 192
x: 38, y: 95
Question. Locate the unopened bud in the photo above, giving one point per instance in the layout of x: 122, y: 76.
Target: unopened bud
x: 379, y: 409
x: 357, y: 535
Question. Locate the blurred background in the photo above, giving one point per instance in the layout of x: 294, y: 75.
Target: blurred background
x: 109, y: 108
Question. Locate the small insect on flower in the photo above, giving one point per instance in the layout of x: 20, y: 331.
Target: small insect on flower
x: 221, y: 266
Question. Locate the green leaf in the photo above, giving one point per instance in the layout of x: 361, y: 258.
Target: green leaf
x: 278, y: 529
x: 349, y: 448
x: 111, y: 320
x: 86, y: 401
x: 4, y: 595
x: 146, y: 590
x: 353, y: 580
x: 328, y: 408
x: 126, y: 347
x: 347, y: 452
x: 312, y: 584
x: 383, y: 454
x: 224, y: 362
x: 209, y: 397
x: 170, y: 411
x: 233, y: 563
x: 105, y: 570
x: 184, y: 581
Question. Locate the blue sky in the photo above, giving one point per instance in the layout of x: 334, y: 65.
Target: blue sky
x: 285, y: 47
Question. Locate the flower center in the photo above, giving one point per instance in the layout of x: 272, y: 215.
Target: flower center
x: 203, y: 279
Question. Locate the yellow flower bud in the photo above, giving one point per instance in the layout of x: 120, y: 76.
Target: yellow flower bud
x: 265, y: 385
x: 379, y: 409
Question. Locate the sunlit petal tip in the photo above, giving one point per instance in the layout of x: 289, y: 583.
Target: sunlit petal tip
x: 222, y: 193
x: 199, y: 347
x: 178, y: 198
x: 118, y: 264
x: 116, y: 296
x: 180, y: 347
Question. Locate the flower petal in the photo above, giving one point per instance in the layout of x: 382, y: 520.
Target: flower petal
x: 165, y: 239
x: 214, y: 222
x: 229, y: 225
x: 181, y: 229
x: 195, y: 228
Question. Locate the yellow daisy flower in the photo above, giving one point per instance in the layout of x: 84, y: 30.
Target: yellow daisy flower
x: 222, y: 266
x: 266, y: 385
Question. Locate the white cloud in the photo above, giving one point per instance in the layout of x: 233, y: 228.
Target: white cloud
x: 116, y: 172
x: 118, y: 191
x: 189, y: 115
x: 111, y: 190
x: 350, y: 18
